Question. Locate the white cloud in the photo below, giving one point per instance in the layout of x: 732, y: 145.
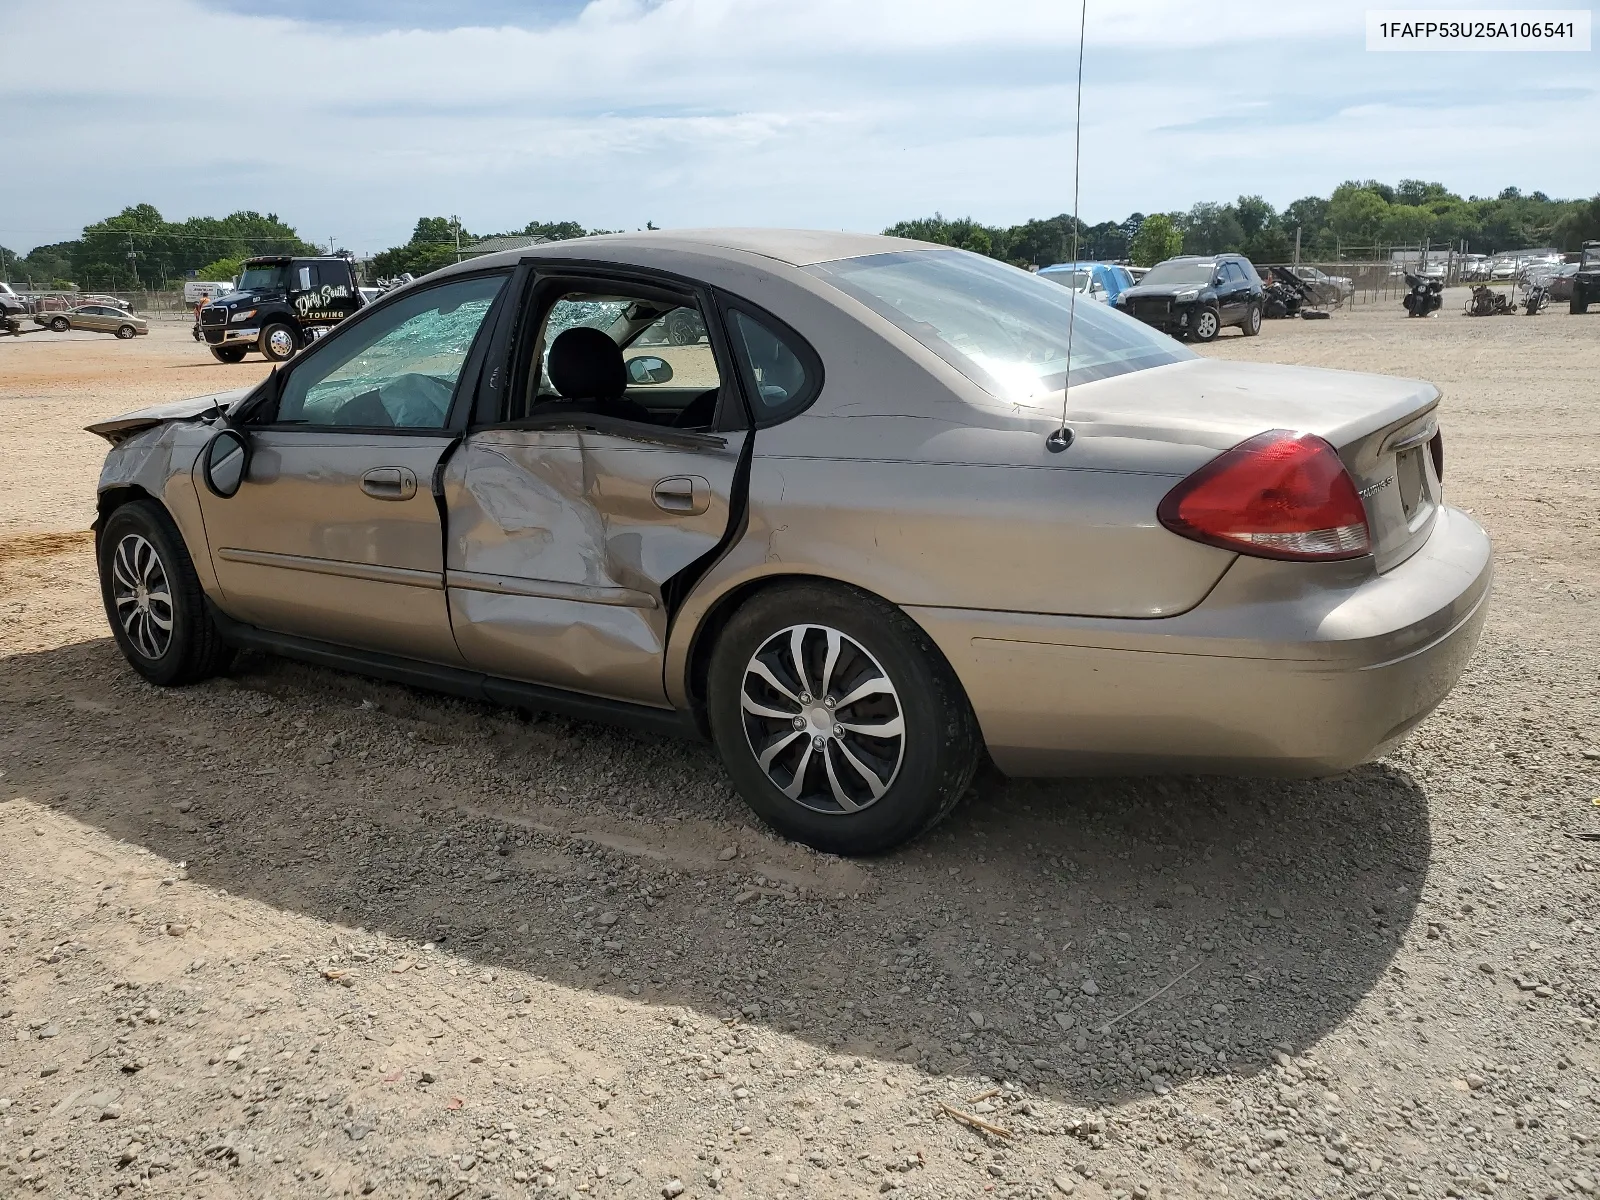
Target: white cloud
x: 833, y: 113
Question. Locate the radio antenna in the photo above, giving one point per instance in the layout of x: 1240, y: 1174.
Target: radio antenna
x: 1062, y: 437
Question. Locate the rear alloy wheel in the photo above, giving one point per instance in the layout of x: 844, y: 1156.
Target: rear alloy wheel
x: 228, y: 354
x: 1252, y: 321
x: 1207, y: 324
x: 126, y: 332
x: 60, y: 325
x: 279, y: 341
x: 153, y: 599
x: 839, y: 721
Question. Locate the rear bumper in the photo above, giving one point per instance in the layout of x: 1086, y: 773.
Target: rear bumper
x: 1304, y: 671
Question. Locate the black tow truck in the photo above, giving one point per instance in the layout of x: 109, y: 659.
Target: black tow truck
x: 281, y: 304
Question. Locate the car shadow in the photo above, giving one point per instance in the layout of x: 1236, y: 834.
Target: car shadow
x: 1096, y: 939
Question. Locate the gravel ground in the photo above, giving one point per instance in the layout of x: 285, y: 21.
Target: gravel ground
x: 294, y: 933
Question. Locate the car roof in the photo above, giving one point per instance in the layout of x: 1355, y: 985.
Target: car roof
x: 795, y: 247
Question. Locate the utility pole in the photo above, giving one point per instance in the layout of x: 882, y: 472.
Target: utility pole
x: 133, y: 262
x: 456, y: 221
x: 1297, y: 247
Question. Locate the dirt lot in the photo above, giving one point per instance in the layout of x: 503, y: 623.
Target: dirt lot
x: 293, y: 933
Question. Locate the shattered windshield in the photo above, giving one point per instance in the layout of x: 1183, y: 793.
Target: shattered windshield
x: 1003, y: 328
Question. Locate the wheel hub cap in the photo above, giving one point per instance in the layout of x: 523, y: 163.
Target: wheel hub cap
x: 142, y: 596
x: 823, y: 719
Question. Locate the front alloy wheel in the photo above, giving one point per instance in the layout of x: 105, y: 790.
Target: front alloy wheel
x: 1207, y: 324
x: 823, y: 719
x: 153, y: 598
x: 142, y: 595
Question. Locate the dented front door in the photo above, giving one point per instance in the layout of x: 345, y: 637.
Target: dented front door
x: 560, y: 543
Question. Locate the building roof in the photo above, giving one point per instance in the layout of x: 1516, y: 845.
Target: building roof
x: 516, y: 241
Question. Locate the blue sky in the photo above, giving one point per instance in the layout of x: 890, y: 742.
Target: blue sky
x: 350, y: 119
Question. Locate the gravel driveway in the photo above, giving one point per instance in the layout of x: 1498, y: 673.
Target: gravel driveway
x: 295, y: 933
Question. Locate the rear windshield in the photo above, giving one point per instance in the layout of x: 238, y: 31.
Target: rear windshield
x: 1181, y: 272
x: 1003, y: 328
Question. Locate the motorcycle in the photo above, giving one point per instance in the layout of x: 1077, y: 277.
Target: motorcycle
x: 1486, y: 302
x: 1426, y: 295
x: 1536, y: 295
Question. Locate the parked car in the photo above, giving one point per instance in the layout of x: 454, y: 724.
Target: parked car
x: 840, y: 536
x: 97, y: 318
x: 1561, y: 282
x: 1195, y: 295
x: 1100, y: 281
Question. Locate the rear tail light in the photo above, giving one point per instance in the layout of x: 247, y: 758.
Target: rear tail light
x: 1436, y: 449
x: 1278, y: 495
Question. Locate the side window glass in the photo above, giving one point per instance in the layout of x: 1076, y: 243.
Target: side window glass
x: 776, y: 372
x: 679, y: 342
x: 397, y: 369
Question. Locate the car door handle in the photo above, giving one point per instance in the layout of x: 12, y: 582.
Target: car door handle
x: 686, y: 495
x: 390, y: 483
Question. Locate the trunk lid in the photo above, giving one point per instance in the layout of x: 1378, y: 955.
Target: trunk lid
x: 1380, y: 425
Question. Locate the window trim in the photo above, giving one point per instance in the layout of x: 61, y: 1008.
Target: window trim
x: 454, y: 415
x: 810, y: 361
x: 547, y: 279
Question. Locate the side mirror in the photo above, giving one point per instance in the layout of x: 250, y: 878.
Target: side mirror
x: 225, y: 462
x: 647, y: 368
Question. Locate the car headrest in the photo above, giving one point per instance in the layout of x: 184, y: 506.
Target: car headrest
x: 585, y: 364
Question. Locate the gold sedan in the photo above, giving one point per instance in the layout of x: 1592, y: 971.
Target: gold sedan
x: 99, y: 318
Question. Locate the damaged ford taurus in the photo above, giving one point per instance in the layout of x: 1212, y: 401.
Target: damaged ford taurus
x: 812, y: 497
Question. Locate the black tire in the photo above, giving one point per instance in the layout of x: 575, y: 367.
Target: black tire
x: 228, y: 354
x: 192, y: 648
x: 1252, y: 320
x: 916, y: 783
x: 59, y: 324
x: 1206, y: 325
x: 279, y: 341
x: 1576, y: 306
x: 126, y: 333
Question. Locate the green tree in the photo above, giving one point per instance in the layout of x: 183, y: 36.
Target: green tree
x: 1405, y: 223
x: 962, y: 232
x: 1211, y: 228
x: 1158, y: 238
x: 1357, y: 213
x: 1255, y: 215
x: 432, y: 245
x: 559, y: 231
x: 138, y: 247
x: 1579, y: 224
